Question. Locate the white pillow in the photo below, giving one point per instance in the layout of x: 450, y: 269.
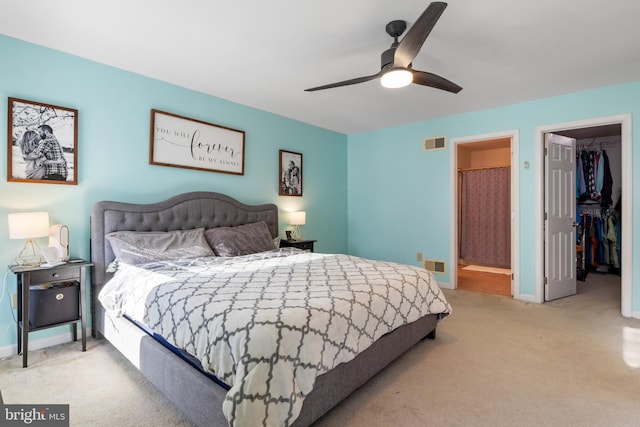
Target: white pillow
x: 139, y: 247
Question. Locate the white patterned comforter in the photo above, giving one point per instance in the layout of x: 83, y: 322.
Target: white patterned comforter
x: 268, y: 324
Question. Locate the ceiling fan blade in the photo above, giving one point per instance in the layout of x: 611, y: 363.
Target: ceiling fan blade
x: 344, y: 83
x: 410, y: 45
x: 429, y: 79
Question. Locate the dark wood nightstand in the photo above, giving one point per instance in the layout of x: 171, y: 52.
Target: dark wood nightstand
x: 305, y: 245
x: 45, y: 287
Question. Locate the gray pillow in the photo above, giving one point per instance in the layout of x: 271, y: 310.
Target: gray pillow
x: 138, y: 247
x: 241, y: 240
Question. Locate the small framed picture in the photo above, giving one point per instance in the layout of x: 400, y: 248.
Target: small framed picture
x: 289, y: 236
x: 290, y: 174
x: 42, y: 143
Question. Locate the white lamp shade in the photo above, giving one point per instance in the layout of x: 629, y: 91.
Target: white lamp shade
x: 396, y: 78
x: 28, y: 225
x: 297, y: 218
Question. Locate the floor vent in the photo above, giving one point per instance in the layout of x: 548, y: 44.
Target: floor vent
x: 437, y: 143
x: 435, y: 266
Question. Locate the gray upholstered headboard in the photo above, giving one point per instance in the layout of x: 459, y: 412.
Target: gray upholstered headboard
x: 182, y: 212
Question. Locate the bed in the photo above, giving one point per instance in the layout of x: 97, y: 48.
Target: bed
x: 185, y: 375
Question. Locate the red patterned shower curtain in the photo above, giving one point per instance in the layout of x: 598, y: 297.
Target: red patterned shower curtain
x: 485, y: 216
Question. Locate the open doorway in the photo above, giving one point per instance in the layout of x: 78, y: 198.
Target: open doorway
x: 598, y: 204
x: 484, y: 214
x: 598, y: 259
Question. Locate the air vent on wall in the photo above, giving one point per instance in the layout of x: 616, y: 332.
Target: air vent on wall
x: 434, y: 266
x: 435, y: 143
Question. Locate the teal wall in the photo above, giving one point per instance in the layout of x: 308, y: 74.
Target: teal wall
x: 400, y: 198
x: 113, y: 145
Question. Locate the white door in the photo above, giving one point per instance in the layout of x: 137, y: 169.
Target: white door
x: 560, y: 211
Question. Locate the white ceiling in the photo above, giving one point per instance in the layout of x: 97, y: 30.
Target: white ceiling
x: 265, y: 53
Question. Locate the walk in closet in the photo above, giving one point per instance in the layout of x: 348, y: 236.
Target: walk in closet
x: 598, y: 200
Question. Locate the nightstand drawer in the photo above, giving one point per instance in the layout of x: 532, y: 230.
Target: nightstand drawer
x: 55, y: 275
x: 305, y: 245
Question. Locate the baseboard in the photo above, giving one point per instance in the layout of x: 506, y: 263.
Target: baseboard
x: 36, y: 344
x: 444, y: 285
x: 635, y: 314
x: 528, y: 298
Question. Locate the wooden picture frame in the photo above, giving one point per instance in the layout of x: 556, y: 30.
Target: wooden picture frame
x: 290, y: 174
x: 182, y: 142
x: 42, y: 143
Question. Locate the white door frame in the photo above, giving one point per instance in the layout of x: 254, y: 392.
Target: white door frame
x: 627, y: 207
x: 515, y: 221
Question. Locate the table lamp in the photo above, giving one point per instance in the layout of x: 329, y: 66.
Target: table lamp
x: 297, y: 219
x: 28, y: 225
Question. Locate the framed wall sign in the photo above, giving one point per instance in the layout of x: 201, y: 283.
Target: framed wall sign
x: 42, y: 143
x: 193, y: 144
x: 290, y: 173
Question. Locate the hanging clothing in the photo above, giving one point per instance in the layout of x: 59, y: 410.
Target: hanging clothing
x: 598, y: 223
x: 607, y: 183
x: 593, y: 177
x: 600, y: 174
x: 584, y: 155
x: 599, y: 232
x: 611, y: 241
x: 592, y: 180
x: 581, y: 188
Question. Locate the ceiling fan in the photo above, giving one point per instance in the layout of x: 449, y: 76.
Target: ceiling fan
x: 395, y: 69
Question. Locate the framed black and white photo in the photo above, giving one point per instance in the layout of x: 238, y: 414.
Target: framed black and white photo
x: 42, y: 143
x: 182, y: 142
x: 290, y: 173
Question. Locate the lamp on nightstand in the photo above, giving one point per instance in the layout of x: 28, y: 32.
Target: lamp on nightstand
x: 28, y: 225
x: 297, y: 219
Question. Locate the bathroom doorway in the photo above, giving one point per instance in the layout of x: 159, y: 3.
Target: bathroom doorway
x: 484, y: 227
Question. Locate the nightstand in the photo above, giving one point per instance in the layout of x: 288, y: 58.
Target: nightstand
x: 49, y: 297
x: 305, y: 245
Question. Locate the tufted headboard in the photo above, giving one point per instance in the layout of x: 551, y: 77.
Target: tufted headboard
x: 182, y: 212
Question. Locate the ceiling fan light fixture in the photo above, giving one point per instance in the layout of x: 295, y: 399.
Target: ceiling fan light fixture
x: 396, y: 78
x: 396, y: 62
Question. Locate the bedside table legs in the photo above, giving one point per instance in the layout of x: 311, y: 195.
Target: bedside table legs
x: 23, y: 344
x: 23, y: 332
x: 83, y: 292
x: 25, y: 351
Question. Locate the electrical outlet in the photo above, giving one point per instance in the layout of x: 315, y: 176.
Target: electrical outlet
x: 14, y: 301
x: 419, y: 257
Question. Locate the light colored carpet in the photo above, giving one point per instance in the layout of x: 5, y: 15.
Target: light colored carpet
x: 101, y: 387
x: 495, y: 362
x: 487, y: 269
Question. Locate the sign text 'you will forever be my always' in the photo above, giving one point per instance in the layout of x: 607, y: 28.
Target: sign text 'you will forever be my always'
x: 187, y: 143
